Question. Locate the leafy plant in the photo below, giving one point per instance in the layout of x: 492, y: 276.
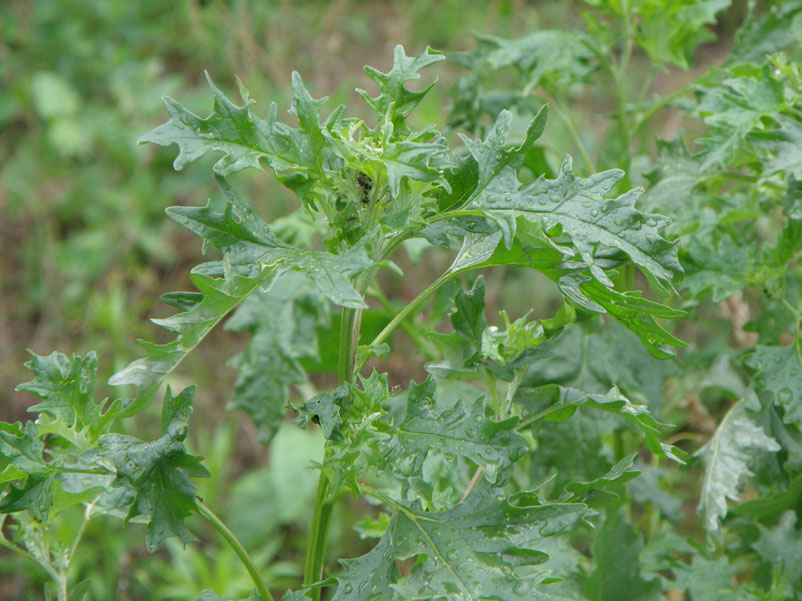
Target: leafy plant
x: 517, y: 468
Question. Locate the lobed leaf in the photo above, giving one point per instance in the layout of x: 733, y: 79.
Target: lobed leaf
x: 470, y: 552
x: 461, y: 430
x: 157, y: 473
x: 726, y: 458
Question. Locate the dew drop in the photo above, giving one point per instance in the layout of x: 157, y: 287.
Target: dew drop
x: 651, y: 222
x: 785, y: 396
x: 348, y: 589
x: 618, y: 221
x: 594, y: 213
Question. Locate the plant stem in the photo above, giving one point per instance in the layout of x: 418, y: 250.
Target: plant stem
x: 659, y: 104
x: 424, y: 346
x: 319, y: 530
x: 61, y: 587
x: 580, y: 145
x: 237, y: 547
x: 81, y: 529
x: 409, y: 308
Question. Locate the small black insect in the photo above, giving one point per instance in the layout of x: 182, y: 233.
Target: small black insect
x: 366, y: 184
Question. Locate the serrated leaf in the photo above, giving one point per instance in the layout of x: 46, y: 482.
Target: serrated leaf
x: 283, y: 325
x: 726, y: 458
x: 559, y: 403
x: 669, y: 31
x: 157, y: 473
x: 762, y: 35
x: 234, y: 130
x: 617, y: 576
x: 458, y: 431
x: 67, y: 389
x: 35, y: 495
x: 733, y: 105
x: 578, y: 205
x: 391, y: 84
x: 776, y: 371
x: 552, y: 59
x: 782, y: 546
x: 723, y: 267
x: 21, y: 447
x: 675, y: 176
x: 706, y: 579
x: 588, y: 492
x: 467, y: 553
x: 324, y: 409
x: 252, y: 258
x: 409, y: 158
x: 492, y: 156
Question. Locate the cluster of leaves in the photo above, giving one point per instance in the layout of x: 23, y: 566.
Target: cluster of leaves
x: 524, y: 441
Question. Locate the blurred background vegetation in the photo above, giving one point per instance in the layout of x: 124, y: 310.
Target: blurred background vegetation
x: 85, y: 249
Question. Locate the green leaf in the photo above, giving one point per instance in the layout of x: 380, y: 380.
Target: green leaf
x: 253, y: 258
x: 34, y: 495
x: 578, y: 205
x: 554, y: 60
x: 594, y: 493
x: 670, y: 31
x: 596, y: 357
x: 283, y: 324
x: 706, y: 579
x: 157, y: 473
x: 409, y: 158
x: 469, y: 318
x: 617, y: 576
x: 558, y: 403
x: 733, y: 104
x: 675, y: 175
x: 67, y: 389
x: 776, y: 371
x: 392, y: 91
x: 242, y: 137
x: 782, y: 546
x: 458, y: 431
x: 324, y: 409
x: 726, y: 458
x: 723, y: 268
x: 21, y: 448
x: 470, y: 552
x: 774, y: 29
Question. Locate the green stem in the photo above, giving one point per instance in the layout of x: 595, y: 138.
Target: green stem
x: 348, y: 322
x: 237, y: 547
x: 316, y: 550
x: 423, y: 345
x: 653, y: 110
x: 409, y: 308
x: 580, y: 145
x: 321, y: 518
x: 512, y: 388
x: 537, y: 416
x: 81, y: 529
x: 490, y: 379
x: 16, y: 549
x: 61, y: 587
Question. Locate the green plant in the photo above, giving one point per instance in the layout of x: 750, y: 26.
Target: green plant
x: 487, y: 479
